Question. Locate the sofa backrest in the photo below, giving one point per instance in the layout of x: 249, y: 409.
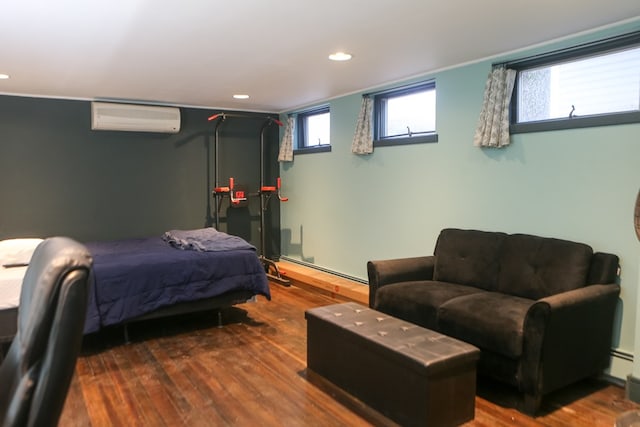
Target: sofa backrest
x: 468, y: 257
x: 536, y: 267
x: 518, y: 264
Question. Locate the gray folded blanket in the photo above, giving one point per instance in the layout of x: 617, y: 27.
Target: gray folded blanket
x: 205, y: 240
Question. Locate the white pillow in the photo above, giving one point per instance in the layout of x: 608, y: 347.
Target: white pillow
x: 17, y: 251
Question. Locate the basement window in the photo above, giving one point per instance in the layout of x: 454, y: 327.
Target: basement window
x: 405, y: 115
x: 591, y: 85
x: 314, y: 130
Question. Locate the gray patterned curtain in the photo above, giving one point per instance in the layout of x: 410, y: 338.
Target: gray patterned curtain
x: 363, y: 136
x: 493, y: 125
x: 286, y: 146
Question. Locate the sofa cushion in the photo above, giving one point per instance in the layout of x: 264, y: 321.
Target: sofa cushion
x: 536, y: 267
x: 418, y: 301
x: 468, y: 257
x: 489, y: 320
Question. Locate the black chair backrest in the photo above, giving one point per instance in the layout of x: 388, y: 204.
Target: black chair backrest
x: 37, y: 370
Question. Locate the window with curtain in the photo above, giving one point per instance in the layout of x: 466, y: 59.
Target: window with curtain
x: 591, y: 85
x: 313, y: 133
x: 405, y: 115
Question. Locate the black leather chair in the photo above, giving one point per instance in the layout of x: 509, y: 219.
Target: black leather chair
x: 38, y: 368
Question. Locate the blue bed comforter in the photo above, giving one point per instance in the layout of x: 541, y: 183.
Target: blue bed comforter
x: 136, y: 276
x: 205, y: 239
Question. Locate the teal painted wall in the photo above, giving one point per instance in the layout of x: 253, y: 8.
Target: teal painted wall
x: 575, y: 184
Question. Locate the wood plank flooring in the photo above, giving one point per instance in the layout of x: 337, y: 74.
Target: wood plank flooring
x: 185, y: 371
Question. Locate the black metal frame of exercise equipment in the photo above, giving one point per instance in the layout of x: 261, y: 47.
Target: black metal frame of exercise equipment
x: 264, y: 192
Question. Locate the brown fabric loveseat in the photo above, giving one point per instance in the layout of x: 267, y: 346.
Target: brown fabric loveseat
x: 540, y: 309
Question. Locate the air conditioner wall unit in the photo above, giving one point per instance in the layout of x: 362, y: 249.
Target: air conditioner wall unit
x: 134, y: 118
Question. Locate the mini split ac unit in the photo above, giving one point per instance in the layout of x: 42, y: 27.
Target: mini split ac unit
x: 134, y: 118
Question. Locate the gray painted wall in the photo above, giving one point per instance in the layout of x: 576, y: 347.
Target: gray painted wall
x: 58, y: 177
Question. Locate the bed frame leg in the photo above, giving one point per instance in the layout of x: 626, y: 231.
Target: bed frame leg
x: 219, y: 318
x: 126, y: 333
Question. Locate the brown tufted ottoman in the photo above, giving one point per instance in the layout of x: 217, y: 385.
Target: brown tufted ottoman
x: 412, y: 375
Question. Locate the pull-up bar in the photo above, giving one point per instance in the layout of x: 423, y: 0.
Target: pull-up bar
x: 246, y: 116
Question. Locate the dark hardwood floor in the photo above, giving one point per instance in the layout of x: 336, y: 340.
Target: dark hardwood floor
x: 185, y: 371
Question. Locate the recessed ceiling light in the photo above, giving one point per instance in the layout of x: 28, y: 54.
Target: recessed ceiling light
x: 340, y: 56
x: 241, y: 96
x: 4, y: 76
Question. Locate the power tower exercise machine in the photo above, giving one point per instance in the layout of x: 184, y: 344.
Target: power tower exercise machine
x: 238, y: 196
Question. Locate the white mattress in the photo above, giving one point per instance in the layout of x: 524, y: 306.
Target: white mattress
x: 10, y: 285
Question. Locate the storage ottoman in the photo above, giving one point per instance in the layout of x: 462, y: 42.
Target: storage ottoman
x: 410, y: 374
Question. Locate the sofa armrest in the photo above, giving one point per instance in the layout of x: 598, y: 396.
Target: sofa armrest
x: 385, y: 272
x: 567, y: 336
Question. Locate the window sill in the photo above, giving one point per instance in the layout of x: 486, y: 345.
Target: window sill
x: 420, y: 139
x: 310, y: 150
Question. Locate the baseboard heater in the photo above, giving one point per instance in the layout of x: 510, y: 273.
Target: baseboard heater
x: 324, y: 270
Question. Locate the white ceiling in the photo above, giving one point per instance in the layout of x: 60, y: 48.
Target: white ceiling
x: 201, y: 52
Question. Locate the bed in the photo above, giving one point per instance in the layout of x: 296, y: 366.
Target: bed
x: 138, y: 279
x: 10, y: 284
x: 14, y: 258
